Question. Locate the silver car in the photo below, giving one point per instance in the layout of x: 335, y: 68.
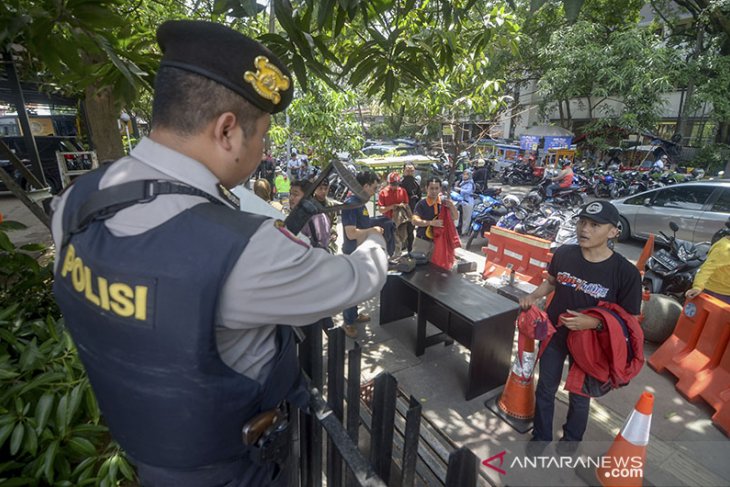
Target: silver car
x: 699, y: 208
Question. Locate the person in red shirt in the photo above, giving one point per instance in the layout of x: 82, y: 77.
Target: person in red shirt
x: 392, y: 196
x: 393, y: 204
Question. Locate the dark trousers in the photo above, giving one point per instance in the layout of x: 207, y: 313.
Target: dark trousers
x: 388, y: 232
x: 411, y: 236
x: 551, y: 372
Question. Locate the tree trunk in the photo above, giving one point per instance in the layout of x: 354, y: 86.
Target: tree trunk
x: 723, y: 132
x: 103, y: 114
x: 562, y: 115
x: 514, y: 119
x: 362, y: 121
x: 568, y: 116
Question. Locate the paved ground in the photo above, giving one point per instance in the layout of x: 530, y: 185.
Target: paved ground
x: 685, y: 447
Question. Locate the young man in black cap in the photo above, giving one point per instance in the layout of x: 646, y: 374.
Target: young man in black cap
x: 182, y: 306
x: 580, y: 275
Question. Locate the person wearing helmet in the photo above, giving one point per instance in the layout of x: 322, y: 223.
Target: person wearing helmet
x: 564, y: 178
x: 481, y: 175
x: 466, y: 188
x: 713, y: 277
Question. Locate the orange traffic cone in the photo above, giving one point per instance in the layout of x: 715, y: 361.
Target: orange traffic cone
x: 623, y: 465
x: 516, y: 405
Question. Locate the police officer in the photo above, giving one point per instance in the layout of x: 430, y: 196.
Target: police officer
x: 175, y: 298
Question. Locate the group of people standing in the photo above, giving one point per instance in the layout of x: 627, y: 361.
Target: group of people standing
x: 407, y: 219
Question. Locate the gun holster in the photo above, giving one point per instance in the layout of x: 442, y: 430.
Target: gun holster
x: 268, y: 436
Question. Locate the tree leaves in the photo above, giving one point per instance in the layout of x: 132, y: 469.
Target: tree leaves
x: 16, y: 438
x: 43, y: 410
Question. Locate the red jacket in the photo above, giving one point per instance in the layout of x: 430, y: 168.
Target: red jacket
x: 601, y: 360
x: 445, y: 241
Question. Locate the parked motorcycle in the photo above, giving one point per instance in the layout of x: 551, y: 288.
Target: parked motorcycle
x: 519, y: 174
x: 566, y: 233
x: 543, y: 223
x: 485, y: 214
x: 671, y: 271
x: 608, y: 185
x: 513, y: 218
x: 572, y: 196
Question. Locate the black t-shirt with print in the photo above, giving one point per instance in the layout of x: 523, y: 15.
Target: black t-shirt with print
x: 582, y: 284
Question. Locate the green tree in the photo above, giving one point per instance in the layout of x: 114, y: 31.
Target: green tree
x: 322, y: 119
x: 627, y: 66
x: 700, y: 29
x: 80, y: 48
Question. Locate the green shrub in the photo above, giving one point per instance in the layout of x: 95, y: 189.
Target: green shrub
x: 51, y: 431
x: 712, y: 158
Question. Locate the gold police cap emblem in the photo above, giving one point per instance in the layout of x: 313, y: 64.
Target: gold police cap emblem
x: 268, y: 80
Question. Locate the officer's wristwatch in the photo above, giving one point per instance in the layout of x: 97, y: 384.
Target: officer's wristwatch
x: 599, y: 327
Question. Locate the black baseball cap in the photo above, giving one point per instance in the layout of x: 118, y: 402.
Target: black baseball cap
x: 600, y: 212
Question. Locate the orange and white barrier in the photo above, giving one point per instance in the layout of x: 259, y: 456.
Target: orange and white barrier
x: 698, y: 354
x: 528, y: 255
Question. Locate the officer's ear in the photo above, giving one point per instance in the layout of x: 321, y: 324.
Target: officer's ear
x: 224, y: 130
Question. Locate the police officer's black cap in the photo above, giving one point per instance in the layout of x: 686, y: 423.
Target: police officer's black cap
x: 229, y: 58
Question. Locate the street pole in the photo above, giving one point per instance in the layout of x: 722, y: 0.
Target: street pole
x: 288, y: 139
x: 125, y: 118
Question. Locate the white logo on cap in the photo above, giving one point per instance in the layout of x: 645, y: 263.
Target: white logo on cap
x: 594, y: 208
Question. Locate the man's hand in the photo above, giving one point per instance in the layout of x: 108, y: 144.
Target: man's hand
x: 579, y: 321
x: 437, y: 223
x: 527, y: 301
x: 378, y: 230
x: 692, y: 293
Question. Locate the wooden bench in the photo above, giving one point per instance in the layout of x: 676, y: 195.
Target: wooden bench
x: 434, y: 447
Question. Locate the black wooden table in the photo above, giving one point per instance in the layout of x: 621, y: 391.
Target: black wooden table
x: 477, y: 318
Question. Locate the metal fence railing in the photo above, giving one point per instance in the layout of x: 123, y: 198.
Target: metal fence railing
x: 330, y: 438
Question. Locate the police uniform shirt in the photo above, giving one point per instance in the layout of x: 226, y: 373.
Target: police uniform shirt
x: 251, y: 203
x: 278, y: 279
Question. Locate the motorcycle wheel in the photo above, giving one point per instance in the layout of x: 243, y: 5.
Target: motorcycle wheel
x: 575, y: 200
x: 615, y: 192
x: 472, y: 234
x: 513, y: 180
